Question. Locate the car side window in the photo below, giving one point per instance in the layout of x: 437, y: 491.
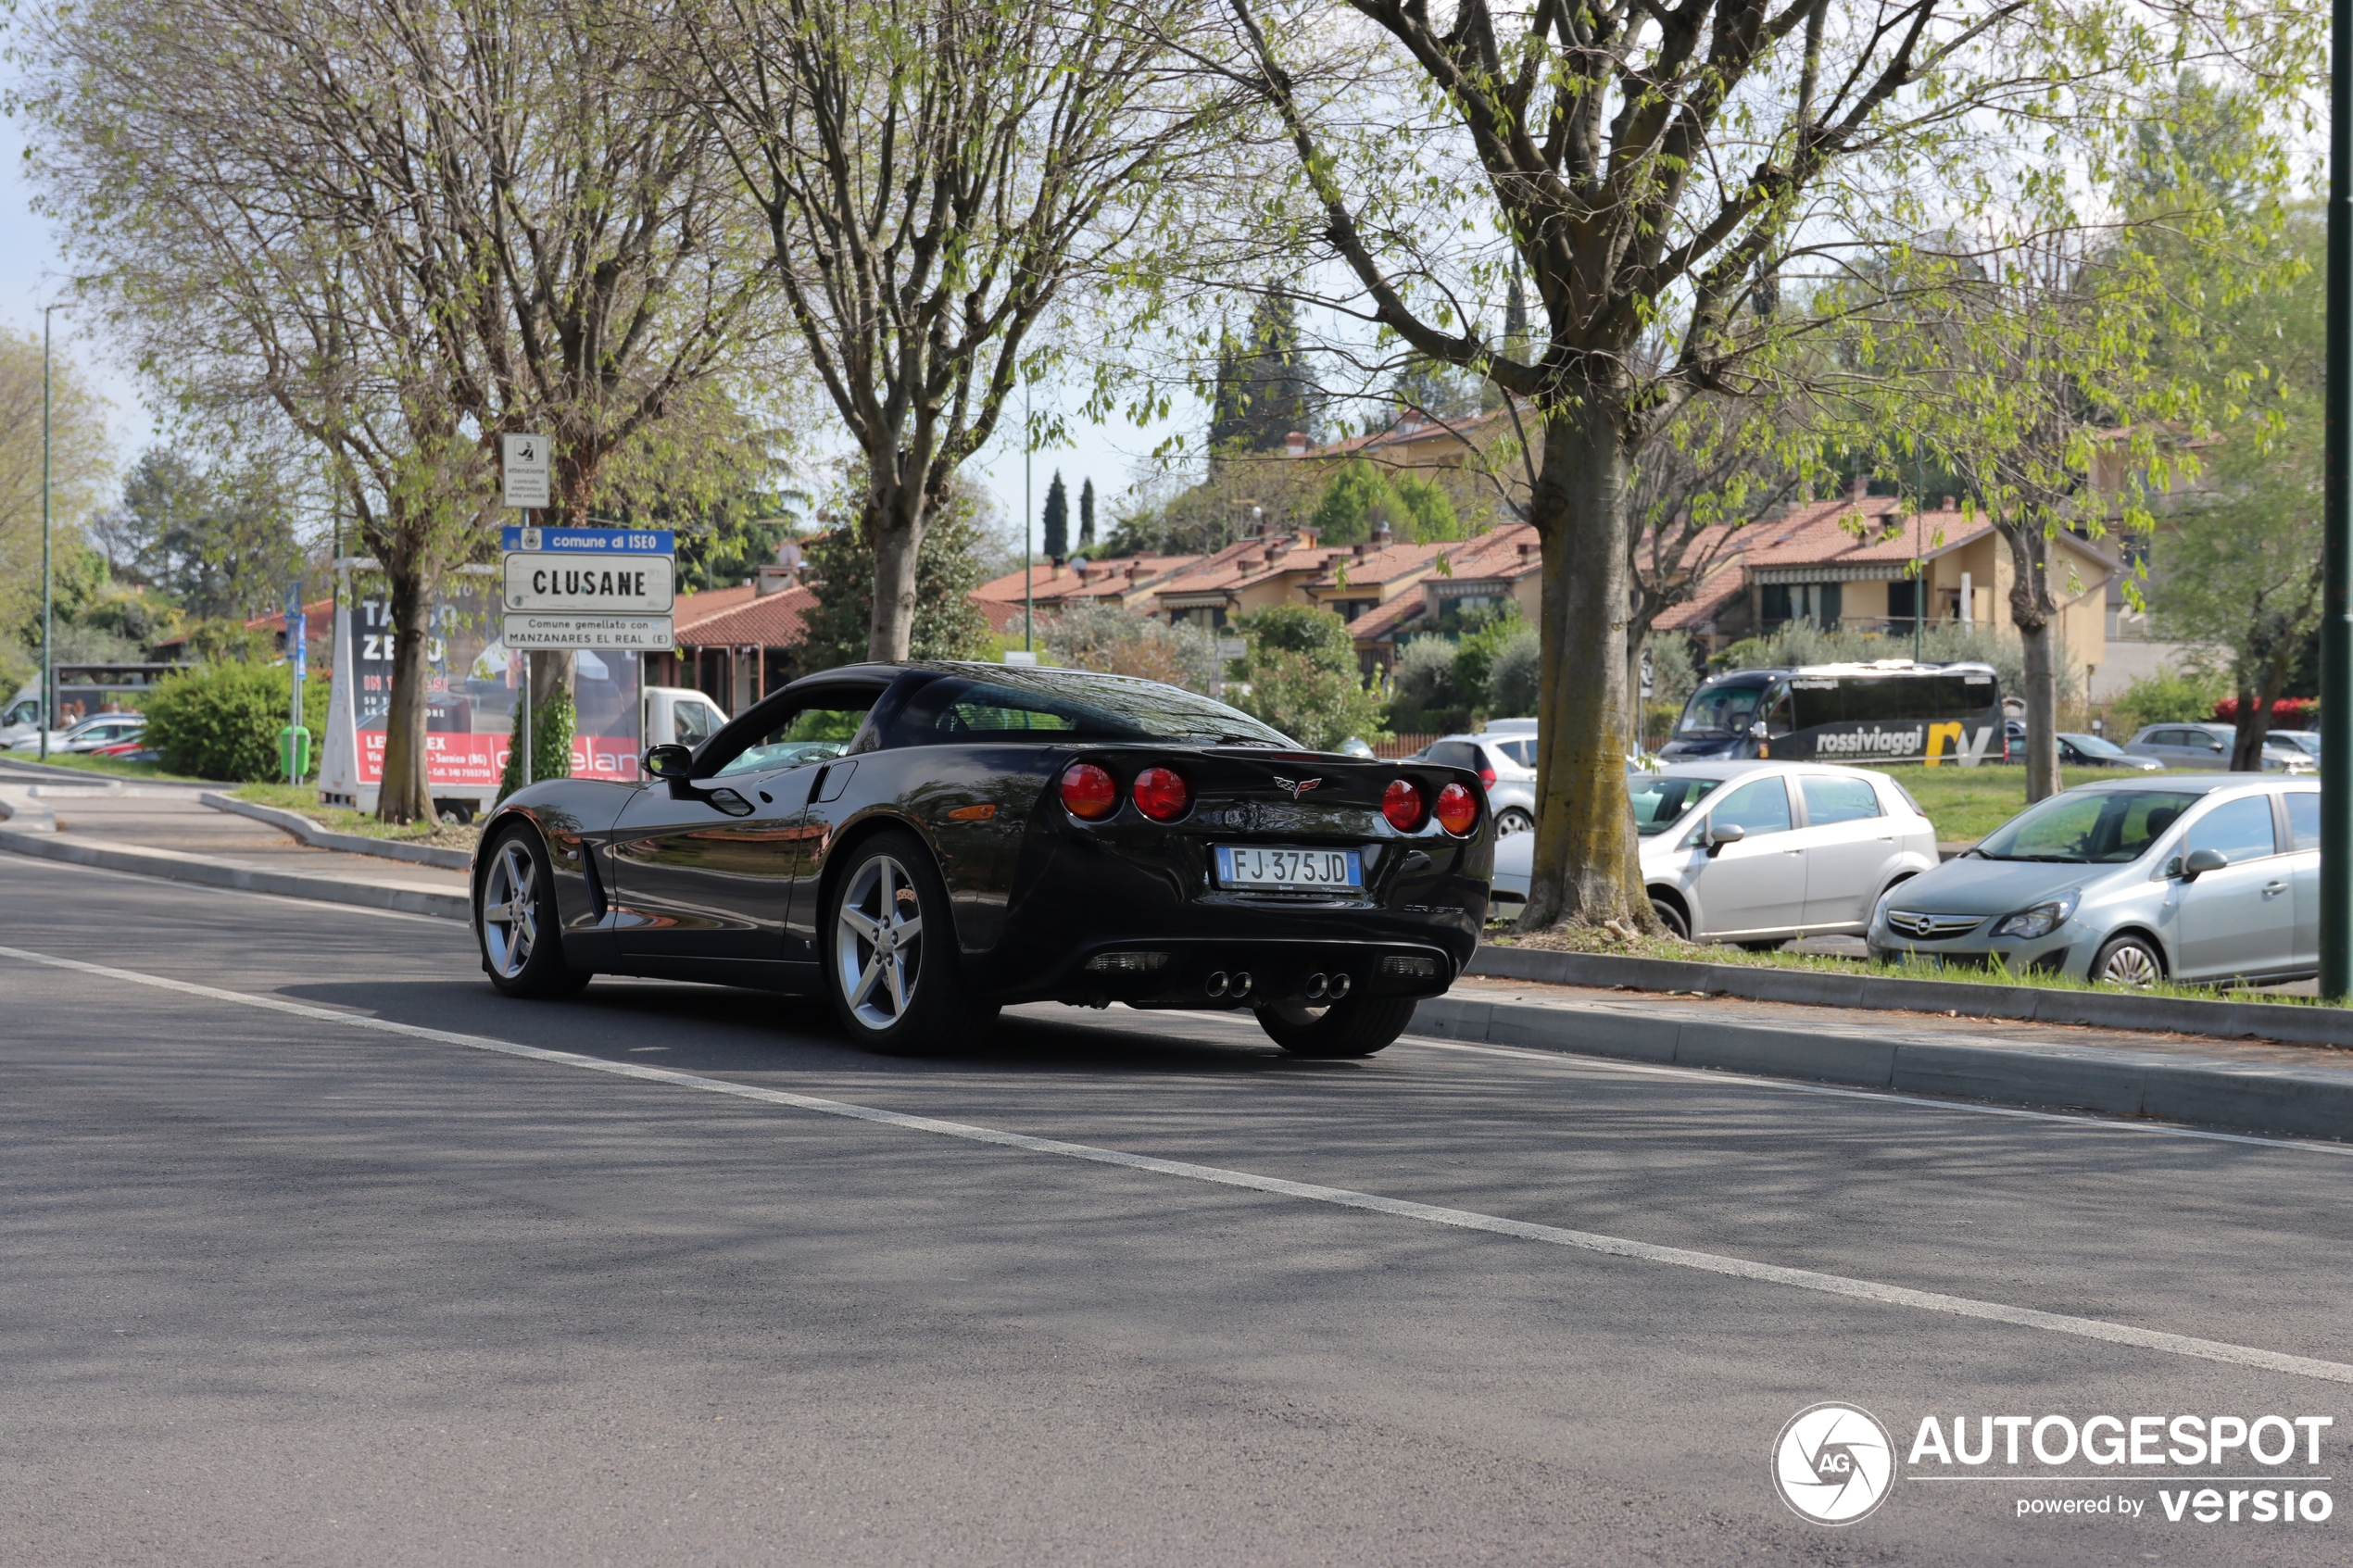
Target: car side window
x: 2241, y: 829
x: 1520, y: 751
x: 816, y: 732
x: 1758, y: 806
x: 1832, y: 800
x: 691, y: 722
x: 2206, y: 738
x: 2163, y: 737
x: 2304, y: 819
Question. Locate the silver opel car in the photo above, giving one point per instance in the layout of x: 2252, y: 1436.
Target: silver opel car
x: 2130, y: 882
x: 1759, y: 852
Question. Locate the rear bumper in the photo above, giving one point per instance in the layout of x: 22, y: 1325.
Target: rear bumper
x: 1208, y: 972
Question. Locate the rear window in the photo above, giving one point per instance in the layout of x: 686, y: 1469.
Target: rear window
x: 1029, y: 706
x: 2304, y: 819
x: 1457, y: 753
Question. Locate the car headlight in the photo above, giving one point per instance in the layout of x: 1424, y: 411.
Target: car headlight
x: 2040, y: 920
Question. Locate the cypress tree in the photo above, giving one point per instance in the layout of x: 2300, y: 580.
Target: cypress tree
x: 1086, y: 515
x: 1057, y: 520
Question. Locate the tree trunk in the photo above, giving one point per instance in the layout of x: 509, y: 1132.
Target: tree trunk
x: 405, y: 793
x: 2031, y: 609
x: 894, y: 525
x: 1587, y: 856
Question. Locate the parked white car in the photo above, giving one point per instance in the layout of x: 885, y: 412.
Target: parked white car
x: 88, y: 735
x: 1759, y: 852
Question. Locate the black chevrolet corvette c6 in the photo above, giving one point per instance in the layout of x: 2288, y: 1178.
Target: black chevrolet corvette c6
x: 926, y: 843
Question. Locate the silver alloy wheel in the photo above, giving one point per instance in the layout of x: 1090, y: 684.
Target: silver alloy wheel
x: 878, y: 942
x: 2130, y: 964
x: 1512, y: 820
x: 511, y: 910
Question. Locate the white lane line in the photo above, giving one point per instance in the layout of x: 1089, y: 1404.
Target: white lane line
x: 1460, y: 1218
x: 305, y: 905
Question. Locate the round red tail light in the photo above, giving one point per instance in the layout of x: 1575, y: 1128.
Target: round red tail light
x: 1401, y: 804
x: 1089, y: 791
x: 1457, y: 809
x: 1161, y: 793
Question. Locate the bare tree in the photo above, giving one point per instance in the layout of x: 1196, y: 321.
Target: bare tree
x: 1656, y: 170
x: 403, y: 229
x: 933, y: 175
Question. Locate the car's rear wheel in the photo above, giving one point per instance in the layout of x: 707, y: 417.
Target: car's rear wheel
x: 1512, y: 820
x: 1670, y: 915
x: 516, y: 924
x: 1358, y: 1026
x: 892, y: 962
x: 2128, y: 960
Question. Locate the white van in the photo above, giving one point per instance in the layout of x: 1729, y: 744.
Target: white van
x: 678, y: 716
x: 21, y: 719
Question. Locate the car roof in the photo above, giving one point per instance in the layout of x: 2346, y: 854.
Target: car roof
x: 2181, y: 785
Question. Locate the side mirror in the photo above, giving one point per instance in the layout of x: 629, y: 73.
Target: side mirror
x: 1719, y: 835
x: 1758, y: 732
x: 2201, y: 861
x: 669, y: 762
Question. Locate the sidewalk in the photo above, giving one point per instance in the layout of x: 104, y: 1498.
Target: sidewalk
x: 2241, y: 1085
x: 164, y: 830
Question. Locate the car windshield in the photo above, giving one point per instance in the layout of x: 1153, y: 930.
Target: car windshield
x: 1035, y: 705
x: 1720, y: 711
x: 2103, y: 827
x: 2093, y: 746
x: 1658, y: 802
x: 2296, y: 740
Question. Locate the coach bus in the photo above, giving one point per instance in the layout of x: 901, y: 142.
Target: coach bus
x: 1891, y: 710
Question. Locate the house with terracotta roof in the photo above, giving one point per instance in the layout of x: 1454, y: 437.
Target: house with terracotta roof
x: 1052, y: 585
x: 736, y: 645
x: 1874, y: 563
x: 1250, y: 574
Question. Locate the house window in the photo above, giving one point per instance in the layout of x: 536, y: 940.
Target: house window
x: 1817, y: 602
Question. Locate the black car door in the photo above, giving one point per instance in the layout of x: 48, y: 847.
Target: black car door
x: 704, y: 867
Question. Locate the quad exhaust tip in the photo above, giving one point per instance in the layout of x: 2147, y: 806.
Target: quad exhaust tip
x: 1328, y: 987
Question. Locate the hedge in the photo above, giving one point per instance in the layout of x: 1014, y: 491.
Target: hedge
x: 221, y: 720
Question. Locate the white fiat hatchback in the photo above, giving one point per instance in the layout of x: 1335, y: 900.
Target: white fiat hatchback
x: 1759, y: 852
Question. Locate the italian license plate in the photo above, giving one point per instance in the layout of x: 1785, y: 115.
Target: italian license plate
x: 1276, y: 867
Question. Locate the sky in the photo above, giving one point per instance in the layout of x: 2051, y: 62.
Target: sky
x: 32, y: 272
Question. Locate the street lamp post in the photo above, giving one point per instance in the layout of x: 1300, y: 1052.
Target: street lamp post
x: 48, y: 628
x: 2337, y: 538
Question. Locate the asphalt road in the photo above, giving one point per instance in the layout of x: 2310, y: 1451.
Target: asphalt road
x: 282, y: 1288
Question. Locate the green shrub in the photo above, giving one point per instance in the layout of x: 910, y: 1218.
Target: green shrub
x: 2167, y: 698
x: 221, y: 720
x: 1511, y: 678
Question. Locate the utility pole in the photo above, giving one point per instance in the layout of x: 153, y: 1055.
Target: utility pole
x: 48, y: 625
x: 1029, y: 577
x: 2336, y: 549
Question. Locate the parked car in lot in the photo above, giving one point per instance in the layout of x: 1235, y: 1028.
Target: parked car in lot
x: 89, y: 735
x: 925, y: 843
x: 2079, y: 749
x: 1504, y: 760
x: 2131, y: 881
x: 1759, y: 852
x: 2304, y: 741
x: 2208, y: 746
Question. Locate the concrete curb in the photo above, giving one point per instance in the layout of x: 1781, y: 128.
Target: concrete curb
x: 23, y: 812
x: 310, y: 833
x: 84, y: 775
x: 1876, y: 993
x: 2250, y: 1098
x: 177, y: 867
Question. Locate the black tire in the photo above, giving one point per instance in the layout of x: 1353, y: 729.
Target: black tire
x: 889, y: 1002
x: 2133, y: 957
x: 1763, y: 945
x: 1512, y: 820
x: 1672, y: 917
x: 516, y: 926
x: 1358, y: 1026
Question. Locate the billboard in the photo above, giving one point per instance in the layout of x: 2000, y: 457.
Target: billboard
x: 473, y: 680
